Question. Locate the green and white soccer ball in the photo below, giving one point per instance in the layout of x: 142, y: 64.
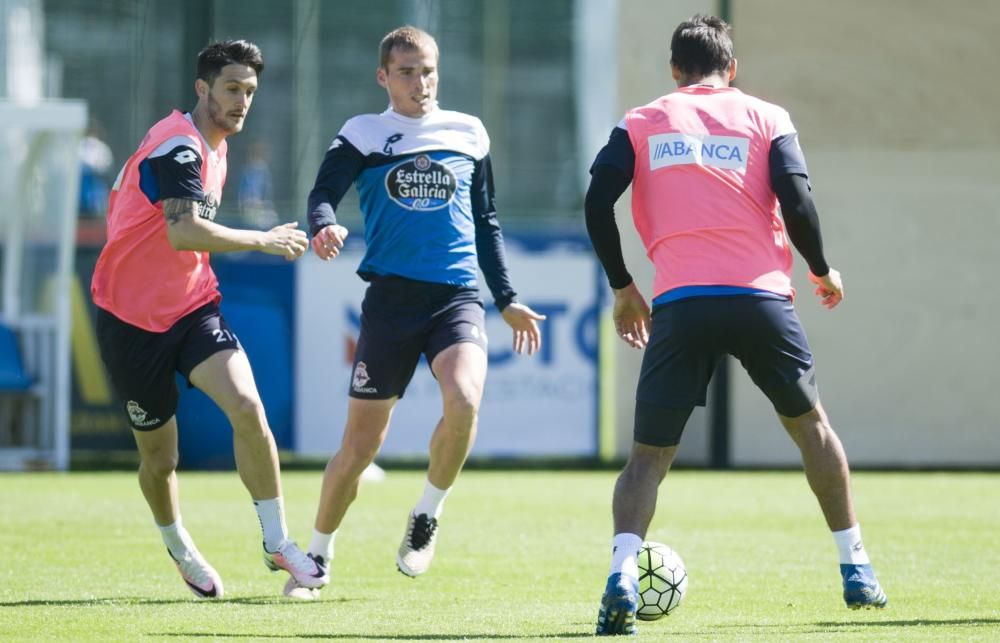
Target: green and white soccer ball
x: 663, y: 581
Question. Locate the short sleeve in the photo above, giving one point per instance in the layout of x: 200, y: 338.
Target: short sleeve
x: 173, y: 171
x: 618, y: 152
x: 786, y: 156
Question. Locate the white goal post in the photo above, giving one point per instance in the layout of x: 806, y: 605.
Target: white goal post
x: 39, y: 189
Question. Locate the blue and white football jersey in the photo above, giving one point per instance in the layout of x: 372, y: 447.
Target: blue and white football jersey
x: 426, y: 191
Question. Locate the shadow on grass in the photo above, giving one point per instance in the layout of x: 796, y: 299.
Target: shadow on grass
x: 374, y: 637
x: 931, y: 622
x: 843, y: 625
x: 122, y: 601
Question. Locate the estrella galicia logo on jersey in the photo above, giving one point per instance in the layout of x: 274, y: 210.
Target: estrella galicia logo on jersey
x: 395, y: 138
x: 421, y: 184
x: 209, y: 207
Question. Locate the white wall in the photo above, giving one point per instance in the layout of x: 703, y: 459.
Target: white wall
x: 898, y: 119
x: 901, y: 134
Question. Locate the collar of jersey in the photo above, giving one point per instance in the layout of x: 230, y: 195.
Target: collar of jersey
x: 706, y: 88
x: 212, y: 153
x: 409, y: 119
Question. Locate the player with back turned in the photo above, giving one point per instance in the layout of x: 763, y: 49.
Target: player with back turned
x: 709, y: 167
x: 158, y: 309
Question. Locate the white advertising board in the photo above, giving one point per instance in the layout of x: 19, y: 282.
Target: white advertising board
x: 543, y: 405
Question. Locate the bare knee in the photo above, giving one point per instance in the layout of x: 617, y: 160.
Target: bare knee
x: 159, y: 464
x: 354, y: 456
x: 359, y: 447
x: 811, y: 429
x: 812, y: 421
x: 246, y: 414
x: 460, y: 411
x: 646, y: 461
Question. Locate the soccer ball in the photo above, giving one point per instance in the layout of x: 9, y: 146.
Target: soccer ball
x: 662, y: 581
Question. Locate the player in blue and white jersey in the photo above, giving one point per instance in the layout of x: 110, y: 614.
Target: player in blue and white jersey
x: 426, y: 188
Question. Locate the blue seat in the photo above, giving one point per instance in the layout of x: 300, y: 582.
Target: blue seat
x: 13, y: 379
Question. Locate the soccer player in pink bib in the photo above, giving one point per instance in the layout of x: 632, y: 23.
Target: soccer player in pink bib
x: 709, y: 168
x: 158, y: 309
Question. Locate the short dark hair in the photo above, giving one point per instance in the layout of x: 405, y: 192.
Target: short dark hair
x: 217, y: 55
x: 702, y: 46
x: 407, y: 38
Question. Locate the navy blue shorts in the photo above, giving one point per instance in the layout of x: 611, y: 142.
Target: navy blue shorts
x: 402, y: 319
x: 142, y: 364
x: 688, y: 339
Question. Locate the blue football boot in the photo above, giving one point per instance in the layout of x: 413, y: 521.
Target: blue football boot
x: 861, y: 588
x: 618, y: 606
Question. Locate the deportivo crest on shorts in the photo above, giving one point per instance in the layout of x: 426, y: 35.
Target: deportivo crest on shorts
x: 139, y: 415
x: 361, y: 378
x: 421, y: 183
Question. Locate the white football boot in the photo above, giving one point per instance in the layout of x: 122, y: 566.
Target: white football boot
x: 306, y: 570
x: 298, y: 592
x: 417, y: 549
x: 201, y: 578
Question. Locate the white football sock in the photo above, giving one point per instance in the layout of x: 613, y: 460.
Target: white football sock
x: 322, y: 545
x: 851, y: 547
x: 624, y: 555
x: 272, y: 522
x: 432, y: 502
x: 176, y: 538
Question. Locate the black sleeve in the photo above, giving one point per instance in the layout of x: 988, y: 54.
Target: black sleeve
x: 489, y: 237
x: 607, y: 183
x: 174, y: 175
x: 801, y: 220
x: 341, y: 165
x: 617, y: 153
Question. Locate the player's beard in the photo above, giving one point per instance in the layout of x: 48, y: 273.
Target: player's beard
x: 221, y: 120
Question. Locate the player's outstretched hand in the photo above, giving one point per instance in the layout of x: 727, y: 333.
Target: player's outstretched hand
x: 631, y: 316
x: 286, y: 240
x: 329, y: 241
x: 524, y: 321
x: 829, y: 288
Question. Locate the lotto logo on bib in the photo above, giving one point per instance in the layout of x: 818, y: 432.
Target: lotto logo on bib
x: 421, y: 184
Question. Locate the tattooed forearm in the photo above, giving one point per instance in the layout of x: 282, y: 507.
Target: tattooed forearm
x: 176, y: 209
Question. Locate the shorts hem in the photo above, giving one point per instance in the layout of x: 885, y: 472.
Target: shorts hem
x: 650, y: 442
x: 150, y: 428
x: 186, y: 371
x: 460, y: 340
x: 376, y: 397
x: 673, y: 405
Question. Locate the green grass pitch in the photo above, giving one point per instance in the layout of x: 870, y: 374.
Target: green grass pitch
x: 521, y: 556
